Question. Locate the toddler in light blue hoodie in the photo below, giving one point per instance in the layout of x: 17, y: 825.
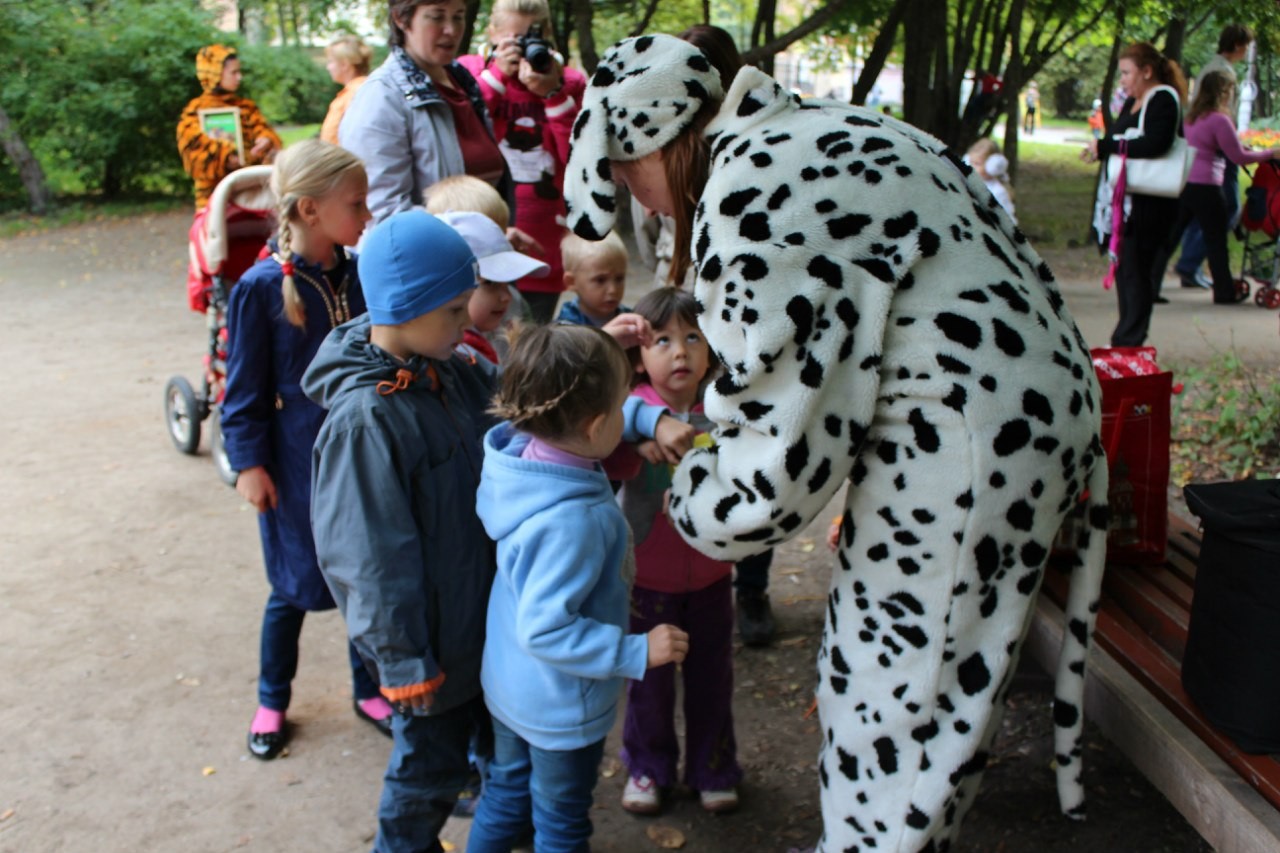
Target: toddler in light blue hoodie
x: 557, y: 647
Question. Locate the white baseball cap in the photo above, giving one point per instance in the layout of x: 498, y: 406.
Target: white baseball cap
x: 497, y: 260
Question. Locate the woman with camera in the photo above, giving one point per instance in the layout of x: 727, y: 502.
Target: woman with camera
x: 420, y: 116
x: 534, y: 100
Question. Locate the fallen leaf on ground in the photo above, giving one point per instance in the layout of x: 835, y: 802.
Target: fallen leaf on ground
x: 6, y: 814
x: 208, y: 771
x: 611, y: 768
x: 448, y: 845
x: 666, y: 837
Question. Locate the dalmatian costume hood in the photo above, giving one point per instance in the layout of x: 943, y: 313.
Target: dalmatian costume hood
x: 882, y: 323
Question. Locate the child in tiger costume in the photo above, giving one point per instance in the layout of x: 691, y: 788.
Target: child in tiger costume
x: 208, y: 159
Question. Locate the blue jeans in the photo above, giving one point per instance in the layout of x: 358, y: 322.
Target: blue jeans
x: 427, y: 771
x: 554, y: 787
x: 1194, y: 248
x: 281, y: 627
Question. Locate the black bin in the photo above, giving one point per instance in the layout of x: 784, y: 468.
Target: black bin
x: 1231, y: 668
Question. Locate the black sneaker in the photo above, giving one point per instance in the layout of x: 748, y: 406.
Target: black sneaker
x: 755, y: 617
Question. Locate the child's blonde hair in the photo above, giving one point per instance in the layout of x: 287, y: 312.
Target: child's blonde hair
x: 981, y: 150
x: 352, y: 50
x: 556, y: 378
x: 308, y: 169
x: 539, y: 10
x: 575, y: 251
x: 468, y: 193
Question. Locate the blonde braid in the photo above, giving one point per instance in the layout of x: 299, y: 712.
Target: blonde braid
x: 295, y: 311
x: 517, y: 413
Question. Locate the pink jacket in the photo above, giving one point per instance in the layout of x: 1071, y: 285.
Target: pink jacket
x: 524, y: 122
x: 664, y: 561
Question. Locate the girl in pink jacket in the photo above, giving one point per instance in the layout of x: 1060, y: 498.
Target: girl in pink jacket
x: 677, y: 585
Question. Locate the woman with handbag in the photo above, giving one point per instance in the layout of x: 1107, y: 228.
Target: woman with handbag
x: 1212, y: 136
x: 1147, y: 127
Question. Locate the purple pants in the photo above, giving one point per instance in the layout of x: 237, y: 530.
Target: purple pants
x: 649, y: 744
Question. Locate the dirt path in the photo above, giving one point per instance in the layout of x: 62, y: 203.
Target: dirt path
x: 131, y: 590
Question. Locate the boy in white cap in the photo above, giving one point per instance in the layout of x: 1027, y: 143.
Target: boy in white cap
x: 500, y: 264
x: 395, y: 471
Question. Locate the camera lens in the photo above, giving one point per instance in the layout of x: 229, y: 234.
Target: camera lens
x: 538, y: 56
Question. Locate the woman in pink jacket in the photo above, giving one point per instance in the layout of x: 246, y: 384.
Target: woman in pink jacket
x: 533, y: 99
x: 1210, y: 131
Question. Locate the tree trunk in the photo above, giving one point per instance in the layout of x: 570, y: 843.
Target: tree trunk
x: 28, y: 166
x: 880, y: 50
x: 919, y: 54
x: 1014, y: 78
x: 586, y: 42
x: 1108, y: 81
x: 469, y: 32
x: 762, y: 31
x: 1174, y: 39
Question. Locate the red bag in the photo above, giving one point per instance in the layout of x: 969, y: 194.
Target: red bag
x: 1135, y: 433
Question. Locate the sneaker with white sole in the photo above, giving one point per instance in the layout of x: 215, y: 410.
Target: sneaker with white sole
x: 719, y: 801
x: 641, y: 795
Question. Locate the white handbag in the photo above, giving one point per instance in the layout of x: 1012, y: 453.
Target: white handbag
x: 1164, y: 176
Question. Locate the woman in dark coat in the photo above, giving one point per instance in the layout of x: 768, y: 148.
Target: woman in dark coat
x: 1156, y: 90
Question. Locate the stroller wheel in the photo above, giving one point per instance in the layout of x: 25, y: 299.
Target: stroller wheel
x: 221, y: 463
x: 1242, y: 289
x: 182, y: 415
x: 1272, y: 299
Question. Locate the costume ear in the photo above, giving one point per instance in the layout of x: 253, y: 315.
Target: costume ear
x: 590, y: 193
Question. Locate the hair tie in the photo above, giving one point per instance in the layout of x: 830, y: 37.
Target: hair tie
x: 287, y: 267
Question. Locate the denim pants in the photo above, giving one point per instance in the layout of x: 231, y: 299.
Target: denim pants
x: 1194, y: 248
x: 553, y: 787
x: 281, y: 627
x: 649, y: 743
x: 427, y: 771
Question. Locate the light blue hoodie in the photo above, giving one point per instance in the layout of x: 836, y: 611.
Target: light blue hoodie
x: 557, y: 646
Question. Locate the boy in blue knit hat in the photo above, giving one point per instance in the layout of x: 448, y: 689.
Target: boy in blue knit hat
x: 395, y: 471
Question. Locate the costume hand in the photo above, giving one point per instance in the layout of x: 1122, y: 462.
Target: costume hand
x: 667, y: 644
x: 261, y: 146
x: 674, y: 437
x: 630, y: 330
x: 650, y: 452
x: 255, y: 486
x: 523, y: 243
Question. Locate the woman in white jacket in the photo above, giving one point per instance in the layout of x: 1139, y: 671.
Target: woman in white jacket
x: 879, y: 323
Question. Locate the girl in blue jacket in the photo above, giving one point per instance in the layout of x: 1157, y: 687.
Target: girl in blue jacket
x: 279, y: 312
x: 557, y: 646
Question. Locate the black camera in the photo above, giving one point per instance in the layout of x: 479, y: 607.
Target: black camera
x: 535, y: 49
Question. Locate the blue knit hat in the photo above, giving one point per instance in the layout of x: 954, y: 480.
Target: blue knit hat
x: 410, y: 265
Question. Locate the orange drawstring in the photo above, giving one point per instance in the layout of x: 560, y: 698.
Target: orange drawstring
x: 404, y: 378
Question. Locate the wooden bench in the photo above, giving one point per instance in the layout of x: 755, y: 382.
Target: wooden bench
x: 1134, y: 694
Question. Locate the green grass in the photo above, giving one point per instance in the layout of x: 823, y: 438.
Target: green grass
x: 77, y: 211
x: 1054, y: 194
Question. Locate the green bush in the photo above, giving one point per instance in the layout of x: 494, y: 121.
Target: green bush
x: 289, y: 84
x: 96, y: 93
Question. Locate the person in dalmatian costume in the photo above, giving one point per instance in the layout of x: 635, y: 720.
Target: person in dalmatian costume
x: 881, y: 321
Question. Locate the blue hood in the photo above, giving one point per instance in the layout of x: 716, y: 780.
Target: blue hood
x: 505, y: 500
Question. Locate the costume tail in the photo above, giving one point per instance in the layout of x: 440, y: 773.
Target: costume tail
x: 1082, y: 611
